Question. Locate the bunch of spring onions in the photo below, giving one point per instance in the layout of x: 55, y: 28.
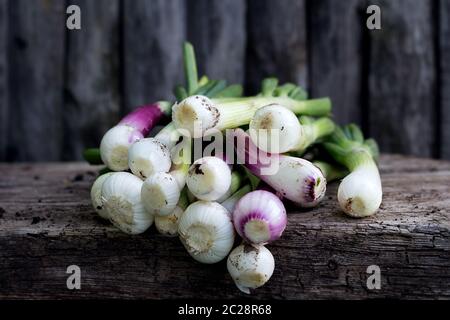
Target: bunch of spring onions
x: 211, y: 200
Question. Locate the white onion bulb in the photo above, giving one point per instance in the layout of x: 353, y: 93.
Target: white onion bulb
x: 250, y: 266
x: 275, y: 129
x: 160, y: 193
x: 195, y: 111
x: 360, y: 193
x: 121, y: 197
x: 209, y: 178
x: 96, y: 195
x: 148, y: 156
x: 206, y: 231
x: 115, y: 145
x: 168, y: 225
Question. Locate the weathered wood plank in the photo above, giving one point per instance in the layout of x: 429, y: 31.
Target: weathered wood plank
x: 93, y: 76
x: 444, y: 47
x: 336, y: 56
x: 46, y: 224
x: 37, y: 78
x: 277, y: 42
x: 4, y: 90
x: 402, y: 80
x: 219, y: 37
x: 154, y: 32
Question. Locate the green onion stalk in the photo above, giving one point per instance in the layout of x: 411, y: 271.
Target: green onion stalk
x: 331, y: 171
x: 236, y: 182
x: 313, y: 131
x: 203, y: 86
x: 93, y: 156
x: 199, y: 113
x: 231, y: 202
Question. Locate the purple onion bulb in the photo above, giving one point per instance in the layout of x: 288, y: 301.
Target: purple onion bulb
x: 260, y: 217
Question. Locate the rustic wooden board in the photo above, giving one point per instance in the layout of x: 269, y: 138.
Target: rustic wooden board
x: 444, y: 64
x: 219, y: 37
x: 402, y: 92
x: 153, y: 33
x: 4, y: 103
x: 336, y: 67
x: 37, y: 38
x: 277, y: 42
x: 93, y: 99
x: 47, y: 224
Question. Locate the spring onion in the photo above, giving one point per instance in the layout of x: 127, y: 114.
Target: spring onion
x: 148, y: 156
x: 295, y: 179
x: 96, y: 195
x: 161, y: 191
x: 151, y: 155
x: 277, y: 129
x: 260, y: 217
x: 121, y: 198
x: 250, y: 266
x: 206, y: 203
x: 209, y: 178
x: 206, y: 231
x: 135, y: 126
x: 168, y: 225
x: 198, y: 114
x: 360, y: 193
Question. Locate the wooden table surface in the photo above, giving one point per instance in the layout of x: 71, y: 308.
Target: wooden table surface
x: 47, y: 224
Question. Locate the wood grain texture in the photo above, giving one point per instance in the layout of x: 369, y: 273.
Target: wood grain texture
x: 93, y: 99
x: 219, y: 37
x: 37, y: 31
x: 395, y: 81
x: 444, y: 63
x: 153, y: 32
x: 47, y: 224
x: 402, y: 80
x: 277, y: 42
x: 336, y: 56
x: 4, y: 88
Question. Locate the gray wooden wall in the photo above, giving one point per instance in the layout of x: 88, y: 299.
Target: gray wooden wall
x: 60, y: 90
